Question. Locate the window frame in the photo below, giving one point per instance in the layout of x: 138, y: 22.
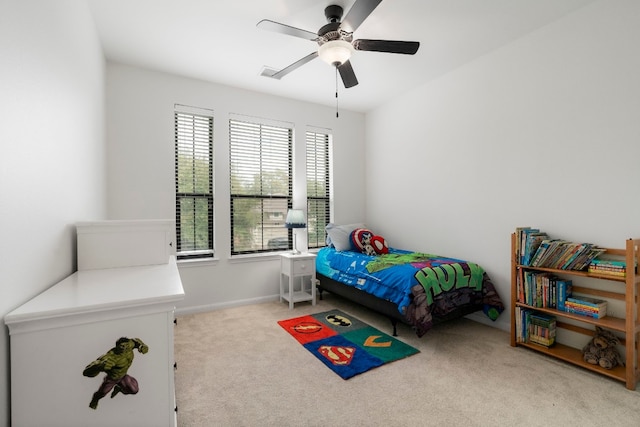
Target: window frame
x: 313, y: 138
x: 191, y: 120
x: 251, y: 133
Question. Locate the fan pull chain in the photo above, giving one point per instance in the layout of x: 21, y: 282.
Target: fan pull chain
x: 337, y: 115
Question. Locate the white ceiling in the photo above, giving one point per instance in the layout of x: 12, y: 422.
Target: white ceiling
x: 218, y: 41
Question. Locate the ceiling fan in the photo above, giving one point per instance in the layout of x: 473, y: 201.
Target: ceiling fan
x: 335, y: 41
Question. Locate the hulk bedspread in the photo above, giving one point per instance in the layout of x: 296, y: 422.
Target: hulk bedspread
x: 421, y: 285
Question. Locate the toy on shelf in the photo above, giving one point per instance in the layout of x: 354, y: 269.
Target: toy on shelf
x: 601, y: 350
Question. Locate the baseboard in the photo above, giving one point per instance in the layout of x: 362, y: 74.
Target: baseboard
x: 480, y: 317
x: 228, y: 304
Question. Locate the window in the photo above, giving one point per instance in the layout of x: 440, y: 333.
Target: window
x: 318, y: 189
x: 194, y: 182
x: 260, y: 157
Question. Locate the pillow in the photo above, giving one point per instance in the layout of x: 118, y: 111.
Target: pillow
x: 339, y: 235
x: 360, y: 238
x: 365, y: 241
x: 380, y: 245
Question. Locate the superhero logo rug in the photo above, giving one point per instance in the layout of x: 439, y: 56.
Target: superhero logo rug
x: 345, y: 344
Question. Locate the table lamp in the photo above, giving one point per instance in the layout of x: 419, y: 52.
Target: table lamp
x: 295, y: 219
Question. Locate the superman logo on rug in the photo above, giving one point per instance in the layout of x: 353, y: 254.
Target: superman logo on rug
x: 345, y: 344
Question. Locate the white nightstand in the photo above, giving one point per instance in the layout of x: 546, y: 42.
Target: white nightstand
x: 295, y: 266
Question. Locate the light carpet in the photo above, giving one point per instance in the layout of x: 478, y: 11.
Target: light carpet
x: 236, y: 367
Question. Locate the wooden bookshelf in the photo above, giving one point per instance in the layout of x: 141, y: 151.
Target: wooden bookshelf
x: 629, y: 326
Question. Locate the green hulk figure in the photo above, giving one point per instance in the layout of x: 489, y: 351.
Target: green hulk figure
x: 115, y: 364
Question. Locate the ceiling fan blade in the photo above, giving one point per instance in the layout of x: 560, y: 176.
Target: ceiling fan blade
x: 389, y: 46
x: 268, y: 25
x: 275, y: 74
x: 348, y: 76
x: 358, y: 13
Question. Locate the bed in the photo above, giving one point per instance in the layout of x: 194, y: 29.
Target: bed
x: 416, y: 288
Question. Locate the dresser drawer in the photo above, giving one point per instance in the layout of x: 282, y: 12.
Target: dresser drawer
x: 304, y: 266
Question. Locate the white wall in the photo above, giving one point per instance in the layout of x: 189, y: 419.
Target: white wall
x: 52, y: 170
x: 551, y: 117
x: 141, y: 169
x: 543, y: 132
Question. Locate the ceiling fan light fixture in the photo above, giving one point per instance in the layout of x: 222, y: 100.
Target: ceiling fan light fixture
x: 336, y: 52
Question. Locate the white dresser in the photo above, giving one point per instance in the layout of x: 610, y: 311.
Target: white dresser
x: 58, y: 333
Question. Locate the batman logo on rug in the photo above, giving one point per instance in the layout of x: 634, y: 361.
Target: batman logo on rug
x: 336, y: 319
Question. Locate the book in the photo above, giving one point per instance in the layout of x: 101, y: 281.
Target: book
x: 544, y: 245
x: 585, y: 259
x: 520, y: 286
x: 588, y: 301
x: 564, y: 289
x: 554, y: 247
x: 524, y: 245
x: 574, y: 310
x: 520, y: 242
x: 521, y: 324
x: 535, y: 288
x: 541, y: 329
x: 605, y: 267
x: 608, y: 267
x: 609, y: 262
x: 535, y: 248
x: 607, y: 271
x: 554, y: 258
x: 573, y: 260
x: 519, y: 245
x: 534, y: 327
x: 519, y: 315
x: 586, y: 306
x: 532, y: 243
x: 571, y: 254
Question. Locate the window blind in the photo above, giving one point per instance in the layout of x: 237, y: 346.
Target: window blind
x: 260, y: 157
x: 318, y: 188
x: 194, y: 184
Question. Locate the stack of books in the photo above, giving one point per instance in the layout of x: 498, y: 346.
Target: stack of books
x: 541, y: 289
x: 608, y: 267
x: 529, y: 239
x: 533, y: 327
x: 564, y: 255
x: 586, y: 306
x: 537, y: 249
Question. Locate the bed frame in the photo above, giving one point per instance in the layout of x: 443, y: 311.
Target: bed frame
x: 384, y: 307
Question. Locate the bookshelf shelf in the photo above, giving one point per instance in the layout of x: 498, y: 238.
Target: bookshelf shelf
x: 608, y: 322
x: 629, y: 326
x: 574, y: 356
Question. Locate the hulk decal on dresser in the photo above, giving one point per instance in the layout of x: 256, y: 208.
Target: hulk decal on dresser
x: 115, y: 364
